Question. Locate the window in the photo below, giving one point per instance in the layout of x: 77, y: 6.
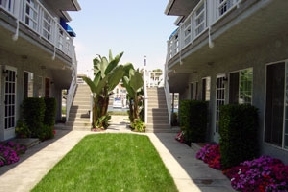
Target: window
x: 199, y: 21
x: 276, y: 111
x: 224, y: 6
x: 240, y: 89
x: 28, y: 84
x: 31, y: 14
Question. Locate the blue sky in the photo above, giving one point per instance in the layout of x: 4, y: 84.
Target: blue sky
x: 136, y: 27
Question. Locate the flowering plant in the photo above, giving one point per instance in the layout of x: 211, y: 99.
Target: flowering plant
x: 9, y: 153
x: 262, y: 174
x: 210, y: 154
x: 180, y: 137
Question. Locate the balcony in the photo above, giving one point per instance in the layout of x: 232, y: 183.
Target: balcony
x: 37, y: 18
x: 220, y: 29
x: 38, y: 34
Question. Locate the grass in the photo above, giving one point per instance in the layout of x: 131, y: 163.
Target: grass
x: 110, y: 162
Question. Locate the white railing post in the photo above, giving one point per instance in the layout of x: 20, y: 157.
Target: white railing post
x: 166, y: 86
x: 145, y: 92
x: 91, y: 107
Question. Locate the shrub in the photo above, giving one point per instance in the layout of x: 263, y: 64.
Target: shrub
x: 50, y: 111
x: 238, y: 134
x: 46, y: 132
x: 193, y: 116
x: 22, y: 130
x: 34, y: 113
x: 138, y: 125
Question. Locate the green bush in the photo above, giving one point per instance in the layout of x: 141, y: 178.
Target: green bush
x: 46, y: 132
x: 50, y: 111
x: 22, y: 130
x: 193, y: 115
x: 33, y: 114
x: 138, y: 125
x: 238, y: 126
x: 39, y: 116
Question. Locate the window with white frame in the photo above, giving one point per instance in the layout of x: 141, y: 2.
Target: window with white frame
x: 199, y: 21
x: 240, y: 87
x: 276, y: 108
x: 28, y: 84
x: 31, y: 13
x: 224, y: 6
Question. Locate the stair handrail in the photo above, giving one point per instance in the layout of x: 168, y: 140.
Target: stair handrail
x: 145, y: 92
x: 166, y: 84
x: 72, y: 89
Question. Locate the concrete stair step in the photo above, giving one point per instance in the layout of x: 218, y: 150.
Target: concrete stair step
x: 82, y: 128
x: 77, y: 110
x: 157, y: 105
x: 161, y: 130
x: 78, y: 123
x: 79, y: 116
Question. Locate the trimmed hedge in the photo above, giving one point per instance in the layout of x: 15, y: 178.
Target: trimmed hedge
x: 33, y: 114
x: 238, y: 125
x: 193, y: 116
x: 39, y: 116
x: 50, y: 112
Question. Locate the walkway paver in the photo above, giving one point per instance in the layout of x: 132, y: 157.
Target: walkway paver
x: 189, y: 174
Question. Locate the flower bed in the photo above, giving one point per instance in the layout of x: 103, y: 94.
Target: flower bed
x: 262, y: 174
x: 9, y: 153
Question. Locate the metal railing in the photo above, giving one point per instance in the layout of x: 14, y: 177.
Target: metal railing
x: 204, y: 15
x: 71, y: 91
x: 36, y: 17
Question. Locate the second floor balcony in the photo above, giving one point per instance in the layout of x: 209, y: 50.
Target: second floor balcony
x: 222, y: 28
x: 34, y: 16
x: 39, y: 30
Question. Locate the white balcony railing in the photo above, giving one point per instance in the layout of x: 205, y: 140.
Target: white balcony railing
x: 35, y: 16
x: 204, y: 15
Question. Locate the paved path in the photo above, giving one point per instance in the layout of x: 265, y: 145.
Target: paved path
x: 189, y: 174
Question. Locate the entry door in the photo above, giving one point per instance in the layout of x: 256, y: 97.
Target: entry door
x: 220, y: 100
x: 10, y: 85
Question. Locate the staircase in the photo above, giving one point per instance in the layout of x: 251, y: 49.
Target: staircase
x: 157, y: 112
x: 79, y: 118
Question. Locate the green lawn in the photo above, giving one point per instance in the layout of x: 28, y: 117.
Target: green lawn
x: 110, y: 162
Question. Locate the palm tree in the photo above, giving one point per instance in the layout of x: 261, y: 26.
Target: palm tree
x: 108, y: 74
x: 133, y: 82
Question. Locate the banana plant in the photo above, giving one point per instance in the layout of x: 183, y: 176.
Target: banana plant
x: 133, y: 82
x: 107, y: 75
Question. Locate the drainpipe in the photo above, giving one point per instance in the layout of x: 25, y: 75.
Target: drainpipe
x: 17, y: 15
x: 211, y: 44
x: 180, y: 43
x: 55, y: 38
x: 238, y: 4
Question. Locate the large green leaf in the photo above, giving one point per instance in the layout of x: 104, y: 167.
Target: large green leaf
x: 130, y: 91
x: 100, y: 87
x: 136, y: 81
x: 113, y: 62
x: 115, y: 77
x: 90, y: 83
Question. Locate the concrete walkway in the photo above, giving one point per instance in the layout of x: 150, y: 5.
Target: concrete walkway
x: 189, y: 174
